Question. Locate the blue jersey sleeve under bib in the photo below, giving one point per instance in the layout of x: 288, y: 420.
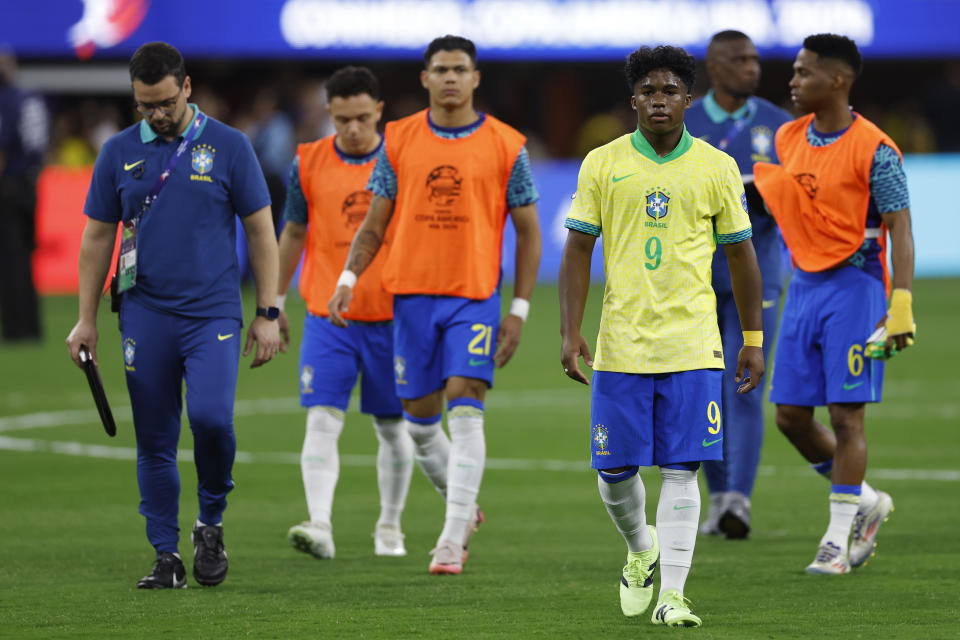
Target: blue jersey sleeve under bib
x: 186, y: 244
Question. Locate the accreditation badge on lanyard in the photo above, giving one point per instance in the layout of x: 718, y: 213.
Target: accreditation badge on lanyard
x: 127, y: 266
x: 127, y: 261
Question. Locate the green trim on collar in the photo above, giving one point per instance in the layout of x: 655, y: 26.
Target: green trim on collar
x: 643, y: 147
x: 149, y: 135
x: 717, y: 113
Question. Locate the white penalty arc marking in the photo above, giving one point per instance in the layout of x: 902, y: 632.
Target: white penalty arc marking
x: 368, y: 461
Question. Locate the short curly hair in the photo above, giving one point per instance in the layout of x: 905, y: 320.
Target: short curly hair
x: 644, y: 60
x: 830, y: 45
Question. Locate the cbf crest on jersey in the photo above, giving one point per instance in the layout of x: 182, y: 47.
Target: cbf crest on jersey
x: 600, y: 440
x: 761, y: 138
x: 658, y: 206
x: 202, y: 162
x: 129, y: 353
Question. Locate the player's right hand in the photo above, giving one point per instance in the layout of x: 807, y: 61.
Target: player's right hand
x: 83, y: 334
x: 339, y: 304
x: 283, y: 323
x: 571, y: 350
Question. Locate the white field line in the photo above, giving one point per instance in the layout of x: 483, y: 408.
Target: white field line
x: 499, y: 400
x: 369, y: 461
x: 502, y: 399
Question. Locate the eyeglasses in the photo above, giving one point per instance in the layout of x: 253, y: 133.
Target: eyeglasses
x: 166, y: 107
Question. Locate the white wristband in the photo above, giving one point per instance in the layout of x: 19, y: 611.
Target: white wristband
x: 520, y: 308
x: 347, y: 279
x: 281, y: 298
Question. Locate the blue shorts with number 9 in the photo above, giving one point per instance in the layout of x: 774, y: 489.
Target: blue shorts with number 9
x: 436, y: 337
x: 655, y: 419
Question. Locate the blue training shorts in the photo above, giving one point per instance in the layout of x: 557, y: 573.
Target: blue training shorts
x: 332, y: 357
x: 827, y: 317
x: 436, y: 337
x: 655, y: 419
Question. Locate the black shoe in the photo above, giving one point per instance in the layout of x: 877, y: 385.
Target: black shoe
x: 209, y: 558
x: 168, y: 573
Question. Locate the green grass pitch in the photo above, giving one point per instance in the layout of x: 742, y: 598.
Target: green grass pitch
x: 545, y: 564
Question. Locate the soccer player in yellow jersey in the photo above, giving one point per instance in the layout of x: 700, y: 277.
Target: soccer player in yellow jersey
x: 662, y: 200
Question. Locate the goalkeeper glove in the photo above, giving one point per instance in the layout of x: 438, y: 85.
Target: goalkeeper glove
x: 899, y: 321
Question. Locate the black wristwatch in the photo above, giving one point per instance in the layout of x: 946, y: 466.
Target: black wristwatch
x: 270, y: 313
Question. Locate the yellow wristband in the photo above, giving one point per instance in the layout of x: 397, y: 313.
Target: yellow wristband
x: 753, y: 338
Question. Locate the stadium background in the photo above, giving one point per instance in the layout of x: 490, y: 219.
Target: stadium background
x: 69, y: 531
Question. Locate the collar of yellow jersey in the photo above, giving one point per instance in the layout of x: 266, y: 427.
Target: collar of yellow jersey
x: 643, y: 147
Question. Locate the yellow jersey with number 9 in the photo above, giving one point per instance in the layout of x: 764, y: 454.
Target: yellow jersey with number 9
x: 661, y: 219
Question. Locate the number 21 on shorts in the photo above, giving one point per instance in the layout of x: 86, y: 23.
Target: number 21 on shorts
x: 480, y: 344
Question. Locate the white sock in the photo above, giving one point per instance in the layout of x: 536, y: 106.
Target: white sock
x: 868, y: 497
x: 204, y: 524
x: 625, y: 502
x: 468, y: 452
x: 843, y: 509
x: 431, y: 449
x: 320, y: 461
x: 394, y: 468
x: 678, y: 512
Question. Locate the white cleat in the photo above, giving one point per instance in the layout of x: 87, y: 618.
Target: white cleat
x: 315, y: 538
x: 863, y: 541
x: 388, y: 541
x: 472, y: 528
x: 830, y: 560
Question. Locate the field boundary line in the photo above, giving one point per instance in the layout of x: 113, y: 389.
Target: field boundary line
x: 111, y: 452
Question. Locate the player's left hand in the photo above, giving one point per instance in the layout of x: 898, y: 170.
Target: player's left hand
x: 507, y: 339
x: 899, y: 321
x: 266, y: 334
x: 749, y: 360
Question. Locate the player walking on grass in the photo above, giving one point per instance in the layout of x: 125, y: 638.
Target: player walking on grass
x: 176, y: 180
x: 732, y: 119
x: 327, y: 199
x: 662, y: 200
x: 840, y: 188
x: 444, y: 180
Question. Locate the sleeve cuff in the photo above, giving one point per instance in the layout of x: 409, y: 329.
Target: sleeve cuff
x: 731, y: 238
x: 582, y: 227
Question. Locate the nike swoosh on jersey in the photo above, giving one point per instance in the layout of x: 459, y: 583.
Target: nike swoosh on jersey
x: 127, y: 167
x: 477, y: 363
x: 769, y: 304
x: 222, y: 337
x: 707, y: 444
x: 616, y: 179
x: 847, y: 387
x: 677, y: 507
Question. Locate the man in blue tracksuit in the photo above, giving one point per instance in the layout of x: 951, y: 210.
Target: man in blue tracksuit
x: 176, y: 180
x: 732, y: 119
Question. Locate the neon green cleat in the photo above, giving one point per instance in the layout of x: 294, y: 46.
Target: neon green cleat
x: 673, y: 610
x: 636, y: 583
